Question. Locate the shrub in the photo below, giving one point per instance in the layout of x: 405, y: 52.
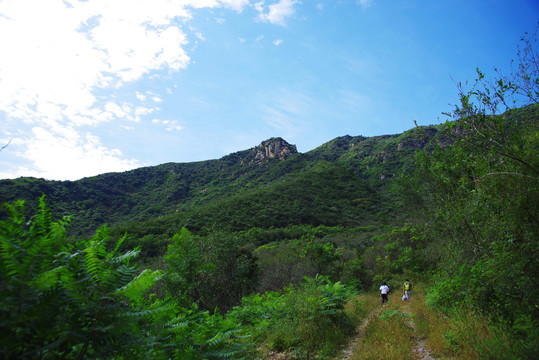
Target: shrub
x: 62, y: 300
x: 308, y: 319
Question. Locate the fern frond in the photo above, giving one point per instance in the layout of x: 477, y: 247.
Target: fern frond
x: 94, y: 265
x: 125, y: 274
x: 124, y: 258
x: 141, y: 314
x: 9, y: 264
x: 53, y: 277
x: 138, y: 286
x: 58, y: 232
x: 11, y: 236
x: 15, y: 212
x: 118, y: 244
x: 42, y: 220
x: 95, y: 255
x: 100, y: 240
x: 172, y: 325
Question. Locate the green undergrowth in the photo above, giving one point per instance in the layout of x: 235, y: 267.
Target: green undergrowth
x: 304, y: 321
x: 394, y: 329
x: 386, y: 336
x: 462, y: 333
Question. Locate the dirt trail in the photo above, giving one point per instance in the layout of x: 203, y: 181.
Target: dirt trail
x: 350, y: 349
x: 420, y: 349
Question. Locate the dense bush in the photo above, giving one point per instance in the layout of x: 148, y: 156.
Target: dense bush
x: 481, y: 197
x: 308, y: 319
x: 63, y: 300
x: 214, y: 271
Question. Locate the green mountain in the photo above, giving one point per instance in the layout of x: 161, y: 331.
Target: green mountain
x: 343, y: 182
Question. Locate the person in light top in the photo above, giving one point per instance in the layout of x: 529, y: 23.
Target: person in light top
x: 384, y: 289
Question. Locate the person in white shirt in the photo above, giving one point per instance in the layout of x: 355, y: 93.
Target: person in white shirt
x: 384, y: 289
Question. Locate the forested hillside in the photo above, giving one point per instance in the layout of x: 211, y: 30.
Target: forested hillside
x: 365, y: 165
x: 266, y: 250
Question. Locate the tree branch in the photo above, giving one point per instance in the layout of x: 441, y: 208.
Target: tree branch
x: 5, y: 146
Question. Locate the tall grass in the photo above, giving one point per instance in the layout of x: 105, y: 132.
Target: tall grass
x: 461, y: 334
x: 392, y: 333
x: 360, y: 307
x: 386, y: 336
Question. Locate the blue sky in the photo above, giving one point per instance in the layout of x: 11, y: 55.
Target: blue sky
x: 96, y: 86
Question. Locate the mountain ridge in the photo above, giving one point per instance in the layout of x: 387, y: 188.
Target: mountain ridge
x: 147, y: 192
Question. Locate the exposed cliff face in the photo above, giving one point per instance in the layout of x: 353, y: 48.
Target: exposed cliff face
x: 273, y: 148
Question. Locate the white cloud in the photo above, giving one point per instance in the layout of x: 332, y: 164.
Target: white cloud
x: 115, y: 109
x: 141, y: 111
x: 276, y: 13
x: 169, y: 125
x: 50, y: 150
x: 278, y: 42
x: 62, y: 62
x: 237, y: 5
x: 259, y: 6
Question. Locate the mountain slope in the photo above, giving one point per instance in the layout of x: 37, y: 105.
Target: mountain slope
x: 273, y: 175
x: 325, y: 194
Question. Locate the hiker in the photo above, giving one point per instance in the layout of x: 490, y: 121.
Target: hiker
x: 384, y: 289
x: 407, y: 290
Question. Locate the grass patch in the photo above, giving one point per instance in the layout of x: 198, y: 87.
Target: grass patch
x: 386, y: 336
x: 359, y: 307
x: 462, y: 334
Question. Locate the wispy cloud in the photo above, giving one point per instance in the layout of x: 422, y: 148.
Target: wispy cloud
x: 286, y: 111
x: 276, y: 13
x: 365, y: 3
x: 169, y: 125
x: 237, y: 5
x: 353, y: 100
x: 278, y: 42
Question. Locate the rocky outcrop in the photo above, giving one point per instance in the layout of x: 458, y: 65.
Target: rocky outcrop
x: 274, y: 148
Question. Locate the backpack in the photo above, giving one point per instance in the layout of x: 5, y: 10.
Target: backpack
x: 407, y: 286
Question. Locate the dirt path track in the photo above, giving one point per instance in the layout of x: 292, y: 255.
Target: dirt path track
x: 419, y: 347
x: 349, y: 350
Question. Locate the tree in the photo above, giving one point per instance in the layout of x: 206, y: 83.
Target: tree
x: 481, y: 191
x: 214, y: 271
